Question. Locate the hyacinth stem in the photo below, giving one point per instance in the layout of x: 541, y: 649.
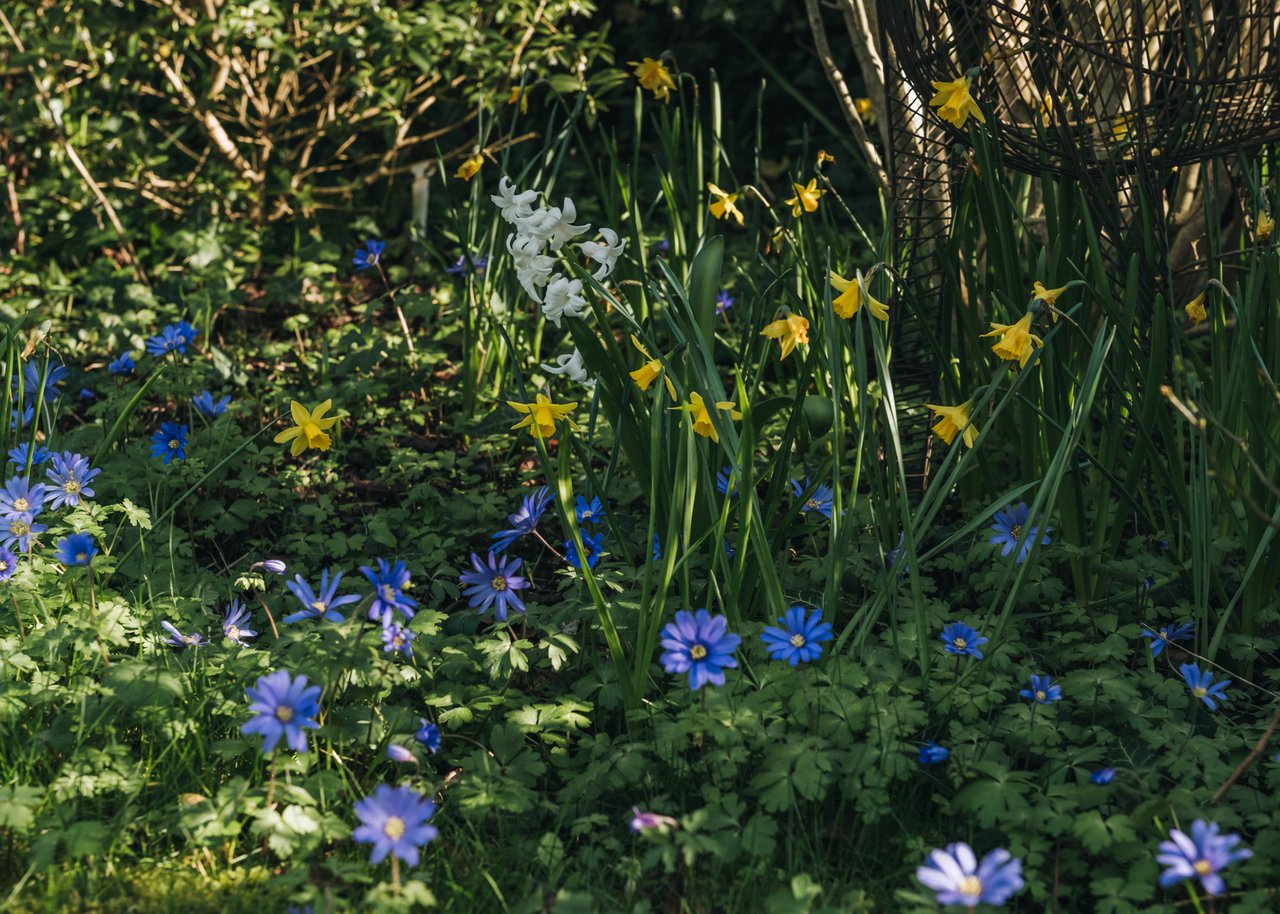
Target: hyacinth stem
x: 395, y: 875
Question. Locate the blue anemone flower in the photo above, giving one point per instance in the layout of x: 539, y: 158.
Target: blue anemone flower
x: 957, y: 877
x: 31, y: 387
x: 820, y: 500
x: 76, y: 549
x: 170, y: 442
x: 70, y: 475
x: 1203, y: 687
x: 1201, y: 855
x: 18, y: 529
x: 726, y: 484
x: 525, y: 520
x: 593, y: 543
x: 591, y: 513
x: 1043, y: 690
x: 1103, y: 776
x: 235, y: 616
x: 170, y: 339
x: 20, y: 453
x: 206, y: 406
x: 724, y: 301
x: 459, y: 267
x: 799, y: 639
x: 394, y: 820
x: 400, y: 754
x: 322, y: 605
x: 369, y: 255
x: 1168, y: 634
x: 283, y: 707
x: 428, y: 735
x: 494, y: 582
x: 178, y: 639
x: 22, y: 419
x: 19, y: 496
x: 959, y: 638
x: 931, y: 753
x: 700, y: 645
x: 186, y: 332
x: 1008, y: 525
x: 657, y: 548
x: 8, y: 564
x: 395, y: 638
x: 389, y: 583
x: 123, y: 365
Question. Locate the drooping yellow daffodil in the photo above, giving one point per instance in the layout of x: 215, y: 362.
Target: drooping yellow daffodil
x: 852, y: 295
x: 650, y: 371
x: 1195, y: 309
x: 468, y: 169
x: 1266, y: 225
x: 806, y: 198
x: 723, y: 204
x: 824, y: 157
x: 1016, y: 340
x: 309, y: 427
x: 542, y: 415
x: 954, y: 103
x: 951, y: 419
x: 654, y: 77
x: 702, y: 418
x: 865, y: 110
x: 521, y: 97
x: 1049, y: 297
x: 788, y: 331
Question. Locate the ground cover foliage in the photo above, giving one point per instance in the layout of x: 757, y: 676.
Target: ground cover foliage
x: 1023, y: 649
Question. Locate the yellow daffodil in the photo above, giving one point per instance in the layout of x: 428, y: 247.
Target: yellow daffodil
x: 1049, y: 297
x: 1195, y: 309
x: 1016, y: 340
x: 724, y: 204
x: 1266, y: 225
x: 654, y: 77
x: 951, y: 419
x: 308, y: 429
x: 1046, y: 110
x: 542, y: 415
x: 865, y: 110
x: 650, y: 371
x: 954, y: 103
x: 806, y: 198
x: 824, y: 157
x: 521, y: 97
x: 851, y: 298
x: 702, y: 419
x: 468, y: 169
x: 788, y: 331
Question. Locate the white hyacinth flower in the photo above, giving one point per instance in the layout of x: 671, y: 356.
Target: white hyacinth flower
x: 554, y: 224
x: 571, y: 365
x: 563, y: 298
x: 605, y: 253
x: 513, y: 205
x: 533, y: 268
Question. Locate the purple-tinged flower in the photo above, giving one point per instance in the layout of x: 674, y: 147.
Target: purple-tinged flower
x: 274, y: 566
x: 394, y: 820
x: 78, y: 549
x: 20, y: 453
x: 322, y: 605
x: 400, y: 754
x: 1167, y: 634
x: 959, y: 638
x: 170, y: 442
x: 22, y: 497
x: 525, y: 520
x: 22, y: 419
x: 494, y: 583
x: 70, y: 474
x: 87, y: 394
x: 170, y: 339
x: 1103, y: 776
x: 593, y: 543
x: 389, y: 583
x: 700, y: 645
x: 1043, y: 690
x: 19, y: 529
x: 724, y: 301
x: 235, y: 616
x: 208, y: 407
x: 1201, y: 856
x: 283, y: 707
x: 369, y: 256
x: 186, y: 332
x: 459, y: 267
x: 8, y: 564
x: 124, y: 365
x: 1008, y: 526
x: 591, y: 513
x: 1202, y: 685
x: 931, y: 753
x: 661, y: 246
x: 395, y: 638
x: 958, y: 878
x: 891, y: 557
x: 178, y: 639
x: 428, y: 735
x: 644, y: 821
x: 799, y: 638
x: 31, y: 387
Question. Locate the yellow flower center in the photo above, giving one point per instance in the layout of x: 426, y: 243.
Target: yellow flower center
x: 388, y: 593
x: 233, y: 633
x: 1040, y: 695
x: 397, y: 641
x: 697, y: 652
x: 959, y: 643
x: 71, y: 487
x: 4, y: 566
x: 318, y: 605
x: 1015, y: 532
x: 21, y: 504
x: 1202, y: 867
x: 371, y: 258
x: 19, y: 528
x: 797, y: 640
x: 82, y: 557
x: 969, y: 885
x: 394, y: 829
x: 813, y: 504
x: 1200, y: 692
x: 284, y: 714
x: 498, y: 583
x: 174, y: 444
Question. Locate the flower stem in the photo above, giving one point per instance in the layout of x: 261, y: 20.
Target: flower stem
x: 395, y: 875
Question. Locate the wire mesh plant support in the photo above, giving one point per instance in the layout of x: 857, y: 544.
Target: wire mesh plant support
x: 1112, y: 94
